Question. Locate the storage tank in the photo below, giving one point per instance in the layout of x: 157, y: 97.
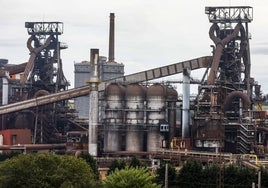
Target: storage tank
x: 135, y: 97
x: 114, y: 97
x: 171, y: 98
x: 155, y: 113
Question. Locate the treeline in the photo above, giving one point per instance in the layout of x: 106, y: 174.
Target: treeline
x: 195, y: 174
x: 54, y: 171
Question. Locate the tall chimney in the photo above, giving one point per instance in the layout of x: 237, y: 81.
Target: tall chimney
x: 111, y: 38
x: 93, y: 103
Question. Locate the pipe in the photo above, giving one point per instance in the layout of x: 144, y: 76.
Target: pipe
x: 219, y: 48
x: 186, y: 103
x: 33, y: 51
x: 40, y: 93
x: 236, y: 94
x: 111, y: 39
x: 93, y: 104
x: 4, y: 90
x: 32, y: 146
x: 168, y: 70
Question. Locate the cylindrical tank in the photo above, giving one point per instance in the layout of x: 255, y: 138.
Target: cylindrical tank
x: 135, y: 97
x: 114, y: 97
x: 156, y: 113
x: 171, y: 98
x: 186, y: 103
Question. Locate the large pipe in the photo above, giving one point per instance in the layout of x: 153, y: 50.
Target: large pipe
x: 111, y: 38
x: 26, y: 147
x: 34, y: 52
x: 219, y: 48
x: 186, y: 103
x: 5, y: 90
x: 236, y: 94
x: 93, y: 103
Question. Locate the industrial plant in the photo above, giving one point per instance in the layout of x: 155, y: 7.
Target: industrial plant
x: 115, y: 115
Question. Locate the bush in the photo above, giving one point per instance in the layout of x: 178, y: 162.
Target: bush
x: 45, y: 170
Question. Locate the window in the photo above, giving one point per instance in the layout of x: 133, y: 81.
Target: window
x: 13, y: 139
x: 164, y: 128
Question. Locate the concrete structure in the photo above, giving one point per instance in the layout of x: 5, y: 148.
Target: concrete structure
x: 114, y: 97
x: 156, y: 116
x: 138, y: 118
x: 135, y: 97
x: 81, y: 74
x: 186, y: 104
x: 93, y: 103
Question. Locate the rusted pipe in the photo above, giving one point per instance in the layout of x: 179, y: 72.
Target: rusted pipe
x: 40, y: 93
x: 219, y: 48
x: 32, y: 147
x: 33, y: 51
x: 236, y: 94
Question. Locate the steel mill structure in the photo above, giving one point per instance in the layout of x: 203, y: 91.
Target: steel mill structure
x: 131, y: 115
x: 138, y: 117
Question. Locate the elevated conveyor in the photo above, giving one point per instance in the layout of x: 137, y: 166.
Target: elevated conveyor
x: 160, y: 72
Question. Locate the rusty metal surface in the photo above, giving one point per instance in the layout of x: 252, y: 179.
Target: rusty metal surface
x: 15, y: 69
x: 33, y: 52
x: 219, y: 48
x: 25, y: 147
x: 236, y: 94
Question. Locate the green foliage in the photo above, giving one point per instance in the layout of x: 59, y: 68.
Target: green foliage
x: 239, y: 176
x: 130, y: 177
x: 116, y: 164
x: 193, y: 174
x: 160, y: 177
x: 190, y: 174
x: 45, y: 170
x: 92, y: 163
x: 264, y: 177
x: 210, y: 174
x: 135, y: 162
x: 121, y: 164
x: 4, y: 156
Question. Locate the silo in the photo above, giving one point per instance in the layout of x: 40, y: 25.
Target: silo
x: 171, y: 98
x: 114, y: 97
x: 155, y: 114
x: 135, y: 97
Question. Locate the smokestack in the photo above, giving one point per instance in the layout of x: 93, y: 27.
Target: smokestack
x: 111, y: 39
x: 186, y: 103
x: 93, y: 103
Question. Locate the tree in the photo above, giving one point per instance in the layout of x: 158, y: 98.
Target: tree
x: 135, y: 162
x: 160, y: 177
x: 116, y: 164
x: 92, y: 163
x: 239, y: 176
x: 45, y: 170
x: 130, y: 177
x: 190, y: 174
x: 4, y: 156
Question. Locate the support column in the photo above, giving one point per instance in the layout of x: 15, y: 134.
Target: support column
x: 93, y: 103
x: 186, y: 103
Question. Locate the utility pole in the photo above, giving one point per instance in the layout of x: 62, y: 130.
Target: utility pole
x: 166, y: 176
x: 259, y: 179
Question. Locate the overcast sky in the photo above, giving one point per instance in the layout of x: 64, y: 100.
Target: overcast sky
x: 148, y: 33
